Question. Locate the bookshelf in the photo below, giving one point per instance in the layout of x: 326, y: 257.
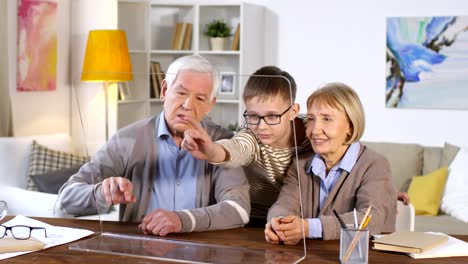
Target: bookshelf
x: 150, y: 27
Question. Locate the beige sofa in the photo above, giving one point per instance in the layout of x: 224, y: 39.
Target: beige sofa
x: 14, y: 165
x: 408, y: 160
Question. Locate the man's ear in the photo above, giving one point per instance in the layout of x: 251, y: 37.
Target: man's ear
x: 163, y: 90
x: 211, y: 103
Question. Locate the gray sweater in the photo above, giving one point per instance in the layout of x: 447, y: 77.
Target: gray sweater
x: 369, y: 182
x: 222, y: 197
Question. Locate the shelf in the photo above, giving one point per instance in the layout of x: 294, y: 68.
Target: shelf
x: 137, y: 51
x: 219, y: 52
x: 184, y: 52
x: 150, y: 27
x: 155, y: 100
x: 131, y: 101
x: 227, y: 101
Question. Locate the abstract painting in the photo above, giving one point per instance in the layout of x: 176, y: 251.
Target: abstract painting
x: 427, y: 62
x: 37, y: 45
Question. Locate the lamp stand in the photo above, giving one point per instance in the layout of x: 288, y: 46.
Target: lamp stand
x: 106, y: 86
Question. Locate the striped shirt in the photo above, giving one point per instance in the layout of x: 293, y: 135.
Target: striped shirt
x: 265, y: 166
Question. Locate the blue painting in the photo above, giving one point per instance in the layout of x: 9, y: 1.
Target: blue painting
x: 427, y: 62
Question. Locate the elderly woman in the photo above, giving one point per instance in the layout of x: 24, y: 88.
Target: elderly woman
x: 341, y: 174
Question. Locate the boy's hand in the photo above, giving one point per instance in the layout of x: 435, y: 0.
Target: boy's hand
x: 199, y: 143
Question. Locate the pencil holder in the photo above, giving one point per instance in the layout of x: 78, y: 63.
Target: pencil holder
x: 354, y: 245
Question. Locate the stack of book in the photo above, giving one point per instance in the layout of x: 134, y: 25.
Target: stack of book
x: 156, y: 77
x: 420, y: 245
x: 236, y: 39
x: 182, y: 36
x: 409, y: 242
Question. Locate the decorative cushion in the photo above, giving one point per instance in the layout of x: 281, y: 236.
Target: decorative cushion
x: 455, y: 198
x: 43, y: 159
x: 432, y: 157
x: 448, y: 154
x: 14, y: 156
x: 406, y: 160
x: 425, y: 191
x: 52, y: 181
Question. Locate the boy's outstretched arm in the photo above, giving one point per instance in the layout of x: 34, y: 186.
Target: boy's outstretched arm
x: 199, y: 143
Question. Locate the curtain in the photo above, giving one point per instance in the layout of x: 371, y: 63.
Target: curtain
x: 5, y: 103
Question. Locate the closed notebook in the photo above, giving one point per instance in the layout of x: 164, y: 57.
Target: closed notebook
x: 409, y: 242
x: 10, y: 244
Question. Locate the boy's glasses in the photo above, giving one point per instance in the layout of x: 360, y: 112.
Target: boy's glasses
x: 21, y: 232
x: 268, y: 119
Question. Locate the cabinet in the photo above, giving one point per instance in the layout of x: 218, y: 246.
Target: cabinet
x: 150, y: 26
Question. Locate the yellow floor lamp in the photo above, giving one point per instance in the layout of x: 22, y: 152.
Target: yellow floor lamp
x: 106, y: 60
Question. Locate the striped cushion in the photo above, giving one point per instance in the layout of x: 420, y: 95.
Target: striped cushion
x: 43, y: 159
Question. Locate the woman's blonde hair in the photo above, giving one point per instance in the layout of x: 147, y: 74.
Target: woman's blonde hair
x: 342, y: 97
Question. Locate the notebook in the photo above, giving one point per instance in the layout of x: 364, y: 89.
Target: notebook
x: 410, y: 242
x: 10, y: 244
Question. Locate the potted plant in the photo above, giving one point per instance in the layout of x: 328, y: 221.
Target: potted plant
x: 218, y: 31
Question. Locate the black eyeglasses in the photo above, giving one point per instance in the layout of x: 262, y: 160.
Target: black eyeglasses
x: 20, y: 232
x: 268, y: 119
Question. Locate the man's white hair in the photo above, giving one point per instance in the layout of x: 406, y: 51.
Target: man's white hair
x: 192, y: 63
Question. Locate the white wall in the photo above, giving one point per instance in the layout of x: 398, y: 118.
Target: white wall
x: 33, y: 112
x: 88, y: 15
x: 342, y: 40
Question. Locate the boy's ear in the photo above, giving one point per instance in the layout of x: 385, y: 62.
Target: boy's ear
x: 295, y: 111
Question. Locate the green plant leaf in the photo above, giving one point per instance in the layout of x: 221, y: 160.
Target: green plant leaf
x: 218, y: 29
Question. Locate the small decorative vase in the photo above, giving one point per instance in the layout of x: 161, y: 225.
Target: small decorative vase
x: 217, y: 43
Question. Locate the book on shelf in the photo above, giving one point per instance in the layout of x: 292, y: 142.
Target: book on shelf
x: 409, y: 242
x: 177, y: 36
x: 235, y: 40
x: 187, y: 36
x: 154, y: 84
x: 180, y: 34
x: 124, y: 91
x: 159, y: 77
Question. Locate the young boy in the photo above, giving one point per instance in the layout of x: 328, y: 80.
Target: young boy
x: 266, y: 146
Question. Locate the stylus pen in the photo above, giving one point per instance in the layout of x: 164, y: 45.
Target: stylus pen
x: 355, y: 218
x: 342, y: 223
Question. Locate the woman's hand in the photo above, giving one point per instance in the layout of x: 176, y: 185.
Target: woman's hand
x: 270, y: 234
x: 286, y: 229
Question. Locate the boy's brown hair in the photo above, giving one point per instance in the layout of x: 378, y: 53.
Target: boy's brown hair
x: 270, y: 81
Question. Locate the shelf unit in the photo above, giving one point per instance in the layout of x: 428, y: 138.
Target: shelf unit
x: 150, y: 26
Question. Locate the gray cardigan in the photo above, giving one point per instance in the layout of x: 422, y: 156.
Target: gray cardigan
x: 222, y: 197
x: 369, y: 182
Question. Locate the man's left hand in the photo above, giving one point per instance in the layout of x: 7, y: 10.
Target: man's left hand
x: 161, y: 222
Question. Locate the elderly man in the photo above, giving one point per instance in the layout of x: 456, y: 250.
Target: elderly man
x: 143, y: 168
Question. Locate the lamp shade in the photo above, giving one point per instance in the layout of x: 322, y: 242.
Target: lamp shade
x: 106, y: 58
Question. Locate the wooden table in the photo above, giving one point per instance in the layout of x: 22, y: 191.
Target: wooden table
x: 317, y: 251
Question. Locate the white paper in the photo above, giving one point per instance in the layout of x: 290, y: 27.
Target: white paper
x: 452, y: 248
x: 56, y: 235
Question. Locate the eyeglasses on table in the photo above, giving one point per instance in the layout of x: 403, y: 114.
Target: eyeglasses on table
x: 21, y: 232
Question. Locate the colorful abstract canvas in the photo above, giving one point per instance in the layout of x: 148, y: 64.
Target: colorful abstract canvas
x: 427, y: 62
x: 37, y: 45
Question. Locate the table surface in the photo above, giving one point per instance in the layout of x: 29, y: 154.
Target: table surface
x: 318, y: 251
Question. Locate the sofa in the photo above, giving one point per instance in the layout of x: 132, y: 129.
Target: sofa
x: 17, y: 162
x: 409, y: 160
x: 406, y: 161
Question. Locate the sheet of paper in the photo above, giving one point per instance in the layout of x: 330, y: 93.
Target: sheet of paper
x: 56, y: 235
x: 452, y: 248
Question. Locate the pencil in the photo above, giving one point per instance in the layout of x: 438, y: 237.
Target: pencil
x: 356, y: 237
